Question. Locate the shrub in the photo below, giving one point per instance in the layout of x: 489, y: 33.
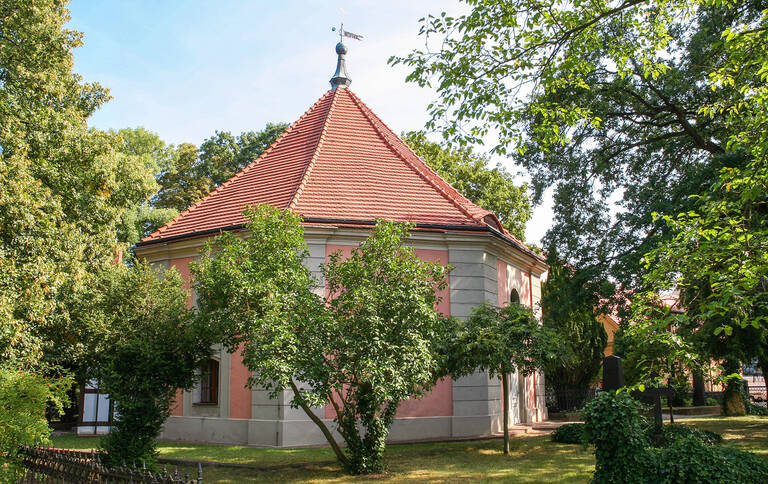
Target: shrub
x: 672, y: 433
x: 712, y: 402
x: 614, y: 425
x: 623, y: 452
x: 24, y: 398
x: 753, y: 409
x: 147, y: 346
x: 690, y: 460
x: 569, y: 434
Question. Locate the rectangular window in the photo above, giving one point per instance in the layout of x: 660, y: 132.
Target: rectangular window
x: 209, y: 382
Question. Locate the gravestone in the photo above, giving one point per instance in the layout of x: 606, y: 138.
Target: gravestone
x: 613, y: 377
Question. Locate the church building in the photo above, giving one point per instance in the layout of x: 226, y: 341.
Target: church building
x: 340, y: 168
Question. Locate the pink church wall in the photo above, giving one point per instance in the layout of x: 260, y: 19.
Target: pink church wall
x: 182, y: 266
x: 239, y: 394
x: 526, y: 296
x: 502, y: 282
x: 439, y: 401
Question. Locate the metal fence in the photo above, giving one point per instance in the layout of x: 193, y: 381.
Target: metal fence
x: 758, y: 395
x: 46, y: 465
x: 560, y: 399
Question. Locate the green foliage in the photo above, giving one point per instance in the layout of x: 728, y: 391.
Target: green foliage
x: 64, y: 188
x: 192, y: 173
x: 502, y: 341
x: 24, y: 399
x: 689, y: 459
x: 370, y: 343
x: 145, y: 344
x: 633, y: 100
x: 623, y: 452
x: 674, y: 432
x: 568, y: 305
x: 652, y: 343
x: 616, y: 428
x: 490, y: 188
x: 569, y: 434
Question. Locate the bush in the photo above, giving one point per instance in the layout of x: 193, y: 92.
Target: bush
x: 24, y: 398
x: 672, y: 433
x: 690, y: 460
x: 614, y: 425
x: 623, y: 452
x: 712, y: 402
x: 569, y: 434
x: 753, y: 409
x: 148, y: 346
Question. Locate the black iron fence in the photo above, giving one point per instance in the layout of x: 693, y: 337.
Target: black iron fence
x: 758, y: 395
x: 562, y: 399
x: 46, y: 465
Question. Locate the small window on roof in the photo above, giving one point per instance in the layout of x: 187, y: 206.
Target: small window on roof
x: 514, y: 297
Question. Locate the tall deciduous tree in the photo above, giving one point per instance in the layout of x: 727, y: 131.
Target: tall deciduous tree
x: 602, y: 101
x: 370, y: 343
x: 193, y: 172
x: 64, y: 189
x: 569, y: 302
x: 502, y: 341
x: 490, y: 188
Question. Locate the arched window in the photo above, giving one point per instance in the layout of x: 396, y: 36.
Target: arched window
x: 514, y: 297
x: 209, y: 382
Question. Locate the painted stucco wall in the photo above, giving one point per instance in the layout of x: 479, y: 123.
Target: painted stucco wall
x: 467, y: 407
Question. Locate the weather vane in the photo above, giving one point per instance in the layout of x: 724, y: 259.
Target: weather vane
x: 343, y: 33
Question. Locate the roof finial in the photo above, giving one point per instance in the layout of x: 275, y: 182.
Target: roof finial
x: 341, y: 79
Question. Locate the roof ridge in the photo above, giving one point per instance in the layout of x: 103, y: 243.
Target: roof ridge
x: 441, y: 187
x: 159, y: 231
x: 305, y: 176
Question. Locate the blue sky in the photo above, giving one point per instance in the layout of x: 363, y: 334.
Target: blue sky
x: 186, y: 69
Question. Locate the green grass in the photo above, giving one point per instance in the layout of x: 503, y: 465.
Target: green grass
x: 533, y: 459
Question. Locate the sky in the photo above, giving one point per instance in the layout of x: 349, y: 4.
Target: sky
x: 186, y: 69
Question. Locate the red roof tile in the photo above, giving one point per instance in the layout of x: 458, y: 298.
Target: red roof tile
x: 337, y: 161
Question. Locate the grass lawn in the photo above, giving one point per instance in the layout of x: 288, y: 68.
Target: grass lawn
x: 533, y: 459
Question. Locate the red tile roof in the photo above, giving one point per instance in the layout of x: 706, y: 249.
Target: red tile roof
x: 338, y: 161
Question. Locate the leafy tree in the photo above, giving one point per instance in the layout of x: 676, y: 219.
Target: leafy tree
x: 157, y: 158
x: 144, y: 345
x: 635, y: 100
x: 568, y: 306
x: 490, y: 188
x: 24, y: 398
x: 64, y: 189
x: 502, y: 341
x: 370, y: 343
x: 193, y: 172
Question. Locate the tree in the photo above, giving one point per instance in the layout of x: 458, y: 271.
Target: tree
x: 635, y: 100
x: 193, y: 173
x: 64, y: 188
x: 568, y: 304
x: 490, y: 188
x: 144, y: 345
x: 502, y: 341
x: 24, y: 398
x: 369, y: 343
x: 157, y: 158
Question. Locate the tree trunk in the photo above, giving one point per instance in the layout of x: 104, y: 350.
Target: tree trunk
x: 505, y: 400
x: 733, y: 401
x: 699, y: 397
x: 323, y: 428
